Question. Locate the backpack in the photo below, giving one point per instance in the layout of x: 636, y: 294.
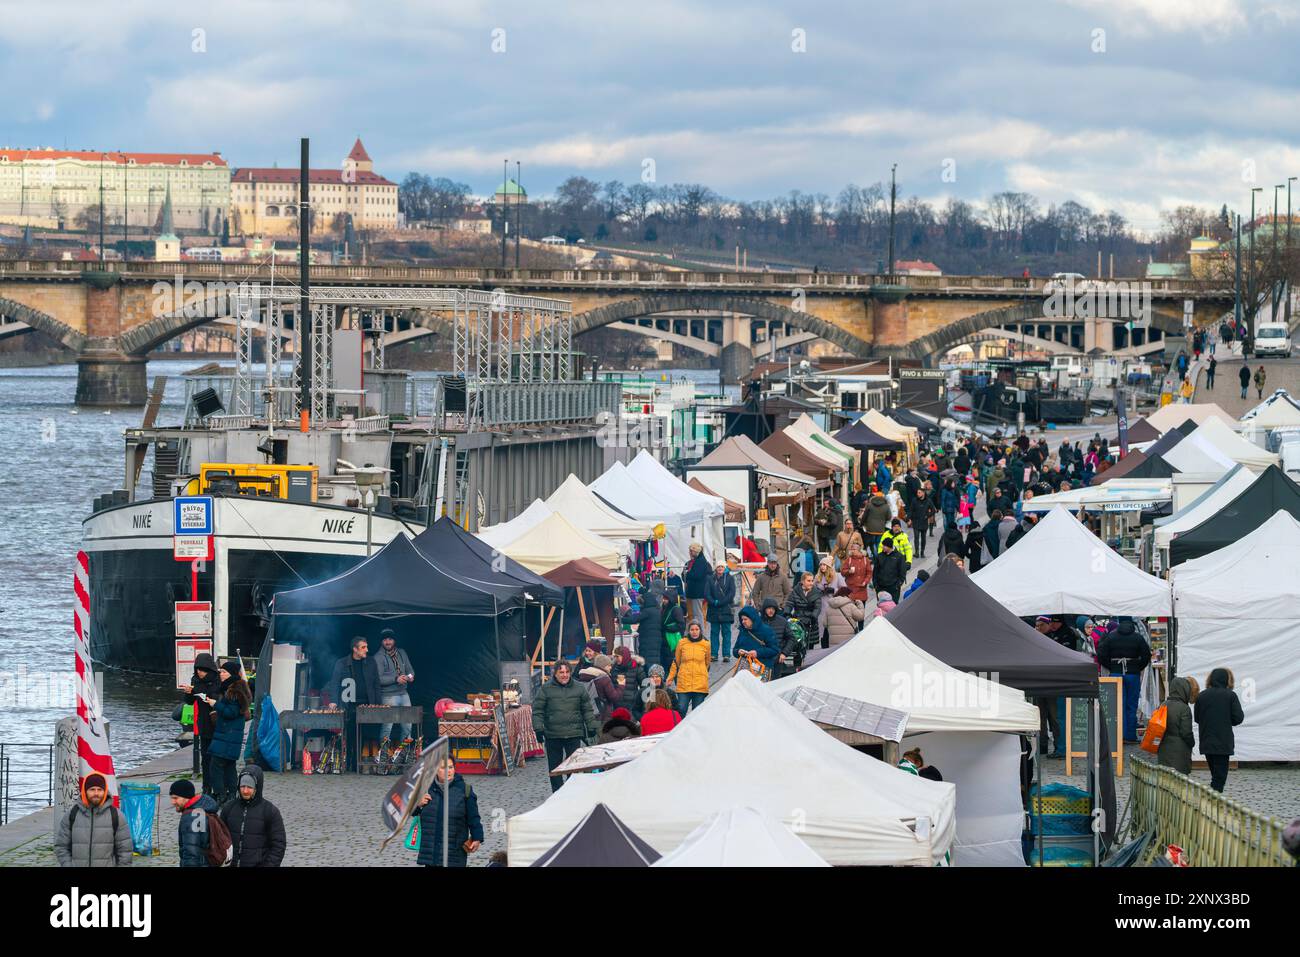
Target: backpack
x: 798, y: 634
x: 220, y: 849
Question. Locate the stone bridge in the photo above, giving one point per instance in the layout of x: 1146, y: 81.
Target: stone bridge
x: 113, y: 316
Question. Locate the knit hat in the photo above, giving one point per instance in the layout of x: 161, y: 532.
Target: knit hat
x: 248, y: 780
x: 95, y: 780
x: 883, y: 596
x: 603, y: 662
x: 621, y: 714
x: 233, y: 666
x: 657, y: 671
x: 183, y: 788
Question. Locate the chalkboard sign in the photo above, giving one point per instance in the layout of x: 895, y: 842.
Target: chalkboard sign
x: 503, y: 741
x: 1078, y: 724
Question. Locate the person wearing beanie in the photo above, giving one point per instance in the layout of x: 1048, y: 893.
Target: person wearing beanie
x: 396, y: 675
x: 690, y: 668
x: 193, y: 834
x: 232, y: 712
x: 603, y: 692
x: 627, y: 674
x: 921, y: 578
x: 203, y: 684
x: 93, y: 833
x: 563, y: 717
x: 257, y: 837
x: 619, y: 727
x: 655, y: 682
x: 884, y: 604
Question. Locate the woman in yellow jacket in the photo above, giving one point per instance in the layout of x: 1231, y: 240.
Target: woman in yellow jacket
x: 691, y: 668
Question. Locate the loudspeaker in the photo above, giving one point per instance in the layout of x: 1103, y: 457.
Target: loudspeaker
x: 453, y: 393
x: 206, y: 402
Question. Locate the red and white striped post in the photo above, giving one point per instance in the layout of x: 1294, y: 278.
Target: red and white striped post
x: 92, y: 740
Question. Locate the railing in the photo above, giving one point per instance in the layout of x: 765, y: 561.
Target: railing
x: 520, y: 403
x: 489, y: 276
x: 27, y: 786
x: 1212, y: 830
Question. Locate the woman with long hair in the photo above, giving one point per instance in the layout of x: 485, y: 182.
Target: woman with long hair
x: 232, y: 711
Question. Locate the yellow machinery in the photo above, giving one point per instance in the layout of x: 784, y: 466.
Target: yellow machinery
x: 294, y: 483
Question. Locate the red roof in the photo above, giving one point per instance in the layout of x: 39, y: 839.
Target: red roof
x: 916, y: 264
x: 359, y: 152
x: 107, y: 156
x: 275, y: 175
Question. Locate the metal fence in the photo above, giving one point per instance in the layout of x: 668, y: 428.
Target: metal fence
x: 27, y: 784
x: 1212, y: 830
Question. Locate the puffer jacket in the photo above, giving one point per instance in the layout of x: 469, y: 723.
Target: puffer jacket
x: 649, y: 631
x: 875, y: 517
x: 1217, y: 712
x: 720, y: 598
x: 856, y: 571
x: 844, y: 618
x: 1124, y: 651
x: 232, y: 711
x: 618, y: 729
x: 695, y: 576
x: 759, y: 639
x: 256, y: 828
x: 690, y: 667
x: 564, y: 711
x: 805, y: 606
x: 192, y: 832
x: 790, y: 652
x: 87, y: 838
x: 632, y: 674
x: 770, y: 586
x: 463, y: 822
x: 1176, y: 746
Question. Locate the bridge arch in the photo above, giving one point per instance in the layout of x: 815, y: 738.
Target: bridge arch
x: 940, y: 341
x: 675, y: 302
x: 60, y: 332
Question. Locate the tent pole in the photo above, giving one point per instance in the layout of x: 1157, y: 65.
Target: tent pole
x: 1038, y: 818
x: 582, y: 610
x: 1094, y: 770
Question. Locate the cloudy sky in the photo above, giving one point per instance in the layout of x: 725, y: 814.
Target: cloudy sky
x: 1137, y: 105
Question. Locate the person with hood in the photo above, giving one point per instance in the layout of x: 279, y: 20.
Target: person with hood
x: 193, y: 836
x: 755, y: 640
x: 804, y: 604
x: 790, y: 658
x: 690, y: 668
x: 720, y: 597
x: 890, y: 572
x: 918, y: 514
x: 844, y: 617
x: 256, y: 827
x: 628, y: 673
x: 619, y: 727
x: 228, y: 736
x: 660, y: 717
x: 856, y: 572
x: 1176, y: 744
x: 606, y: 696
x: 921, y: 578
x: 563, y: 717
x: 1125, y: 652
x: 656, y: 681
x: 770, y: 583
x: 884, y: 604
x: 648, y: 618
x: 203, y: 685
x: 464, y: 826
x: 695, y: 576
x: 874, y: 521
x: 94, y: 833
x: 393, y: 668
x: 1217, y: 712
x: 952, y: 543
x: 992, y: 540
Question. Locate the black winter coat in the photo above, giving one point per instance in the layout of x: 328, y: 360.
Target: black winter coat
x: 1124, y: 643
x: 463, y: 824
x: 256, y: 828
x: 370, y: 680
x: 207, y: 684
x: 1218, y: 711
x: 974, y: 550
x: 695, y: 576
x: 806, y: 607
x: 617, y: 729
x: 630, y: 690
x: 721, y: 599
x: 649, y: 632
x: 889, y: 574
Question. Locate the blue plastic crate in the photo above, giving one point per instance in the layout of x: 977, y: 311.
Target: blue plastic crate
x: 1058, y: 824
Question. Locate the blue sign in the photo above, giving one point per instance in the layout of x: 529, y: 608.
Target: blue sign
x: 193, y: 515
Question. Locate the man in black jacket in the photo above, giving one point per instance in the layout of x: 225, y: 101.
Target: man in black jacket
x: 695, y: 576
x: 256, y: 827
x: 355, y: 681
x: 890, y: 571
x: 918, y: 514
x: 205, y: 683
x: 791, y: 656
x: 1125, y: 652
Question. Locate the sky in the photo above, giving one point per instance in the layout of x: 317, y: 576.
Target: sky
x: 1135, y: 105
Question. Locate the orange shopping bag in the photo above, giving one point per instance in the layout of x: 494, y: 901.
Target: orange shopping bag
x: 1155, y: 730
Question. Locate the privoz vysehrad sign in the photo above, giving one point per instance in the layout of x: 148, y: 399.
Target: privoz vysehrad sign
x: 193, y: 515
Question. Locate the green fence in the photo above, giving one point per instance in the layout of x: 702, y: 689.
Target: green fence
x: 1212, y: 830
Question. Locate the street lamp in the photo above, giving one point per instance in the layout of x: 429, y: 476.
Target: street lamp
x: 370, y: 482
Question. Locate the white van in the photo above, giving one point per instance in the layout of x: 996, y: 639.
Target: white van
x: 1273, y: 339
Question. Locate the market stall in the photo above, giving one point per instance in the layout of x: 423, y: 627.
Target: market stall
x: 966, y: 725
x: 1235, y: 448
x: 1270, y: 492
x: 746, y: 746
x: 599, y: 840
x: 505, y: 532
x: 588, y: 612
x: 684, y: 520
x: 1176, y: 413
x: 554, y: 541
x: 1207, y: 504
x: 742, y: 837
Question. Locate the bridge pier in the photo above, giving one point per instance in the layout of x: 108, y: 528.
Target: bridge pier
x: 112, y: 379
x: 736, y: 360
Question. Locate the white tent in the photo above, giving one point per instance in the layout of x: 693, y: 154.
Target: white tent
x: 1239, y: 608
x: 684, y: 522
x: 884, y: 425
x: 1232, y: 445
x: 504, y: 533
x: 1175, y: 414
x: 967, y: 726
x: 741, y: 837
x: 647, y: 470
x: 808, y: 435
x: 1061, y: 568
x: 1209, y: 503
x: 1197, y: 455
x: 554, y: 541
x: 580, y: 506
x: 1117, y: 495
x: 1279, y: 410
x: 745, y: 746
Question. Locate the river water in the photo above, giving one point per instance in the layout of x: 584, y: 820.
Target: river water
x: 54, y: 460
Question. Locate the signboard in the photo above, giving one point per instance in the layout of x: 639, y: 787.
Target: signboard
x: 193, y: 619
x: 1121, y: 413
x: 193, y: 515
x: 189, y: 548
x: 1078, y: 724
x: 187, y: 649
x: 1189, y: 310
x: 503, y: 740
x: 922, y: 374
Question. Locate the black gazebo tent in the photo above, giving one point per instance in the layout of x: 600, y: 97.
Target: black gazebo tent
x: 862, y: 437
x: 599, y: 840
x: 964, y: 626
x: 469, y: 558
x: 1271, y: 492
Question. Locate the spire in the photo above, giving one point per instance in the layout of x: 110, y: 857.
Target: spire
x: 167, y: 229
x: 359, y: 153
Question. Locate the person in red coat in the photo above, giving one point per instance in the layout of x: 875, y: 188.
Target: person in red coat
x: 749, y: 551
x: 856, y: 570
x: 661, y: 717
